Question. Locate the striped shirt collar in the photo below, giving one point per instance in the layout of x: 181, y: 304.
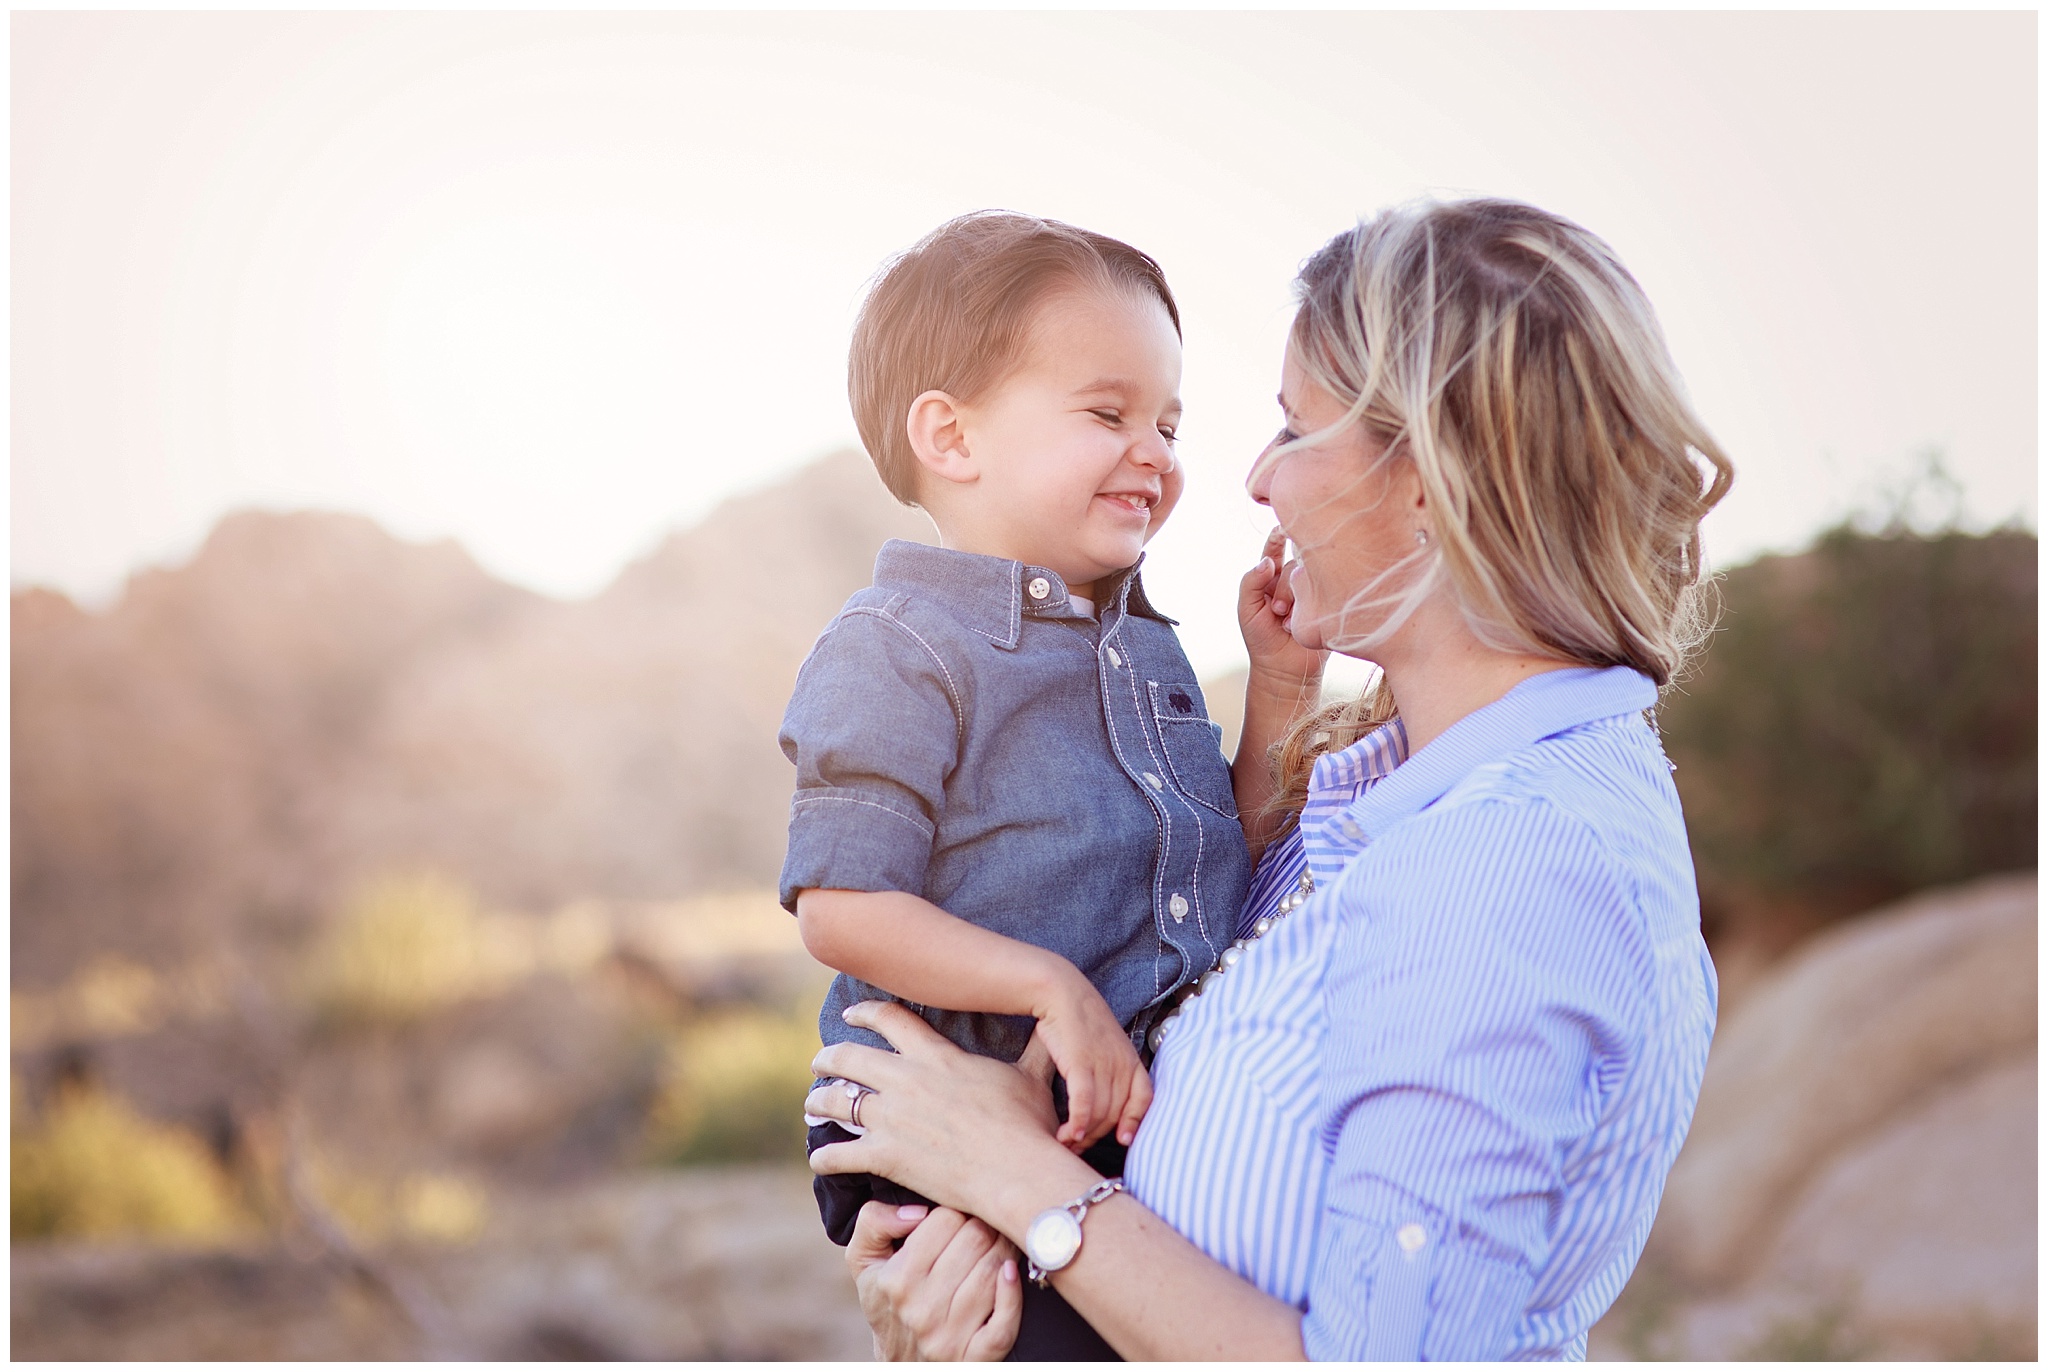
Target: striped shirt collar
x: 1534, y: 709
x: 1546, y: 704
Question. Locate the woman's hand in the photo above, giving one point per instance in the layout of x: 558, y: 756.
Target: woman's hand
x: 967, y: 1131
x: 949, y: 1294
x: 1265, y: 600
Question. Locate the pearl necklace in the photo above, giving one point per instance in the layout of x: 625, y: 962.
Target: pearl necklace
x: 1230, y: 956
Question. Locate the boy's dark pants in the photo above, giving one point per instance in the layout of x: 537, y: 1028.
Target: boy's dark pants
x: 1049, y: 1330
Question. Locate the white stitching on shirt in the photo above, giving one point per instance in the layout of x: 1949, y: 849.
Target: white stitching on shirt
x: 923, y: 825
x: 1158, y: 821
x: 1143, y: 705
x: 952, y: 687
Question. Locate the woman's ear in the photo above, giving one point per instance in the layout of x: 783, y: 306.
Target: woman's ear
x: 938, y: 437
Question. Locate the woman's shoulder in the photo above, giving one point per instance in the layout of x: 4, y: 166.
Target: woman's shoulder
x: 1609, y: 776
x: 1573, y: 840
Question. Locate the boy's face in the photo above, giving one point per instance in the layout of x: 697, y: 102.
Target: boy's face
x: 1072, y: 453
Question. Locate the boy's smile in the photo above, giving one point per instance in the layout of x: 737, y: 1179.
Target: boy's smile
x: 1068, y: 462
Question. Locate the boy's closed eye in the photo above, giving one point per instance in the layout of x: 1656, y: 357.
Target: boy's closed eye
x: 1115, y: 420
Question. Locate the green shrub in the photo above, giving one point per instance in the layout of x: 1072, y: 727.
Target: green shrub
x: 1863, y: 724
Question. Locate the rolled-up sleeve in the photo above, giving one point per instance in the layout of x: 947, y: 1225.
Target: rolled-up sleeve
x: 873, y: 727
x: 1482, y: 991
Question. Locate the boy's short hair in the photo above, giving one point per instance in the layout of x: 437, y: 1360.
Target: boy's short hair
x: 954, y: 314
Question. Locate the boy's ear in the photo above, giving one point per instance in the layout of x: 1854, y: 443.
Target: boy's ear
x: 939, y: 438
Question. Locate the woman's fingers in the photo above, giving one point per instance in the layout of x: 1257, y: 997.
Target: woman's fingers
x: 885, y: 1285
x: 849, y: 1156
x: 906, y: 1033
x: 873, y: 1067
x: 938, y: 1288
x: 828, y: 1100
x: 878, y: 1229
x: 993, y: 1341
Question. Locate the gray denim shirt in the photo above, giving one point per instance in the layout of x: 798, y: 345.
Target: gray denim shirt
x: 960, y: 732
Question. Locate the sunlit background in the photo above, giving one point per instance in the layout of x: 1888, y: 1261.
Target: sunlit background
x: 554, y: 285
x: 431, y: 464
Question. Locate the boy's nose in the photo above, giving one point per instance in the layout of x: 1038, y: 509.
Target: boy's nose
x: 1157, y: 453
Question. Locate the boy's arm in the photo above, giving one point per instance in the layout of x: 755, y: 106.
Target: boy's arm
x: 1285, y: 683
x: 1270, y: 709
x: 911, y: 948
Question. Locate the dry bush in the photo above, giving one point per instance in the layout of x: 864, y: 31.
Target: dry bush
x: 434, y: 1207
x: 91, y: 1167
x: 735, y: 1086
x: 408, y: 944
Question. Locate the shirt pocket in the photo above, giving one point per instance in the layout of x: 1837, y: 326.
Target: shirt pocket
x: 1193, y: 746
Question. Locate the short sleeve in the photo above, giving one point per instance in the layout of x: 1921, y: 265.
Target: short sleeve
x: 873, y: 728
x: 1488, y: 979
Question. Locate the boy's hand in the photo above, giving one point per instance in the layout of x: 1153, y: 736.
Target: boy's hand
x: 1107, y: 1087
x: 1265, y: 600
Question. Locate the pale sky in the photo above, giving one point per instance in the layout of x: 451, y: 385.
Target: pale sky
x: 554, y: 285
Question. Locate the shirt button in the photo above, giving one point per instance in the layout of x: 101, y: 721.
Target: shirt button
x: 1039, y: 587
x: 1154, y: 782
x: 1411, y: 1237
x: 1178, y: 907
x: 1114, y: 660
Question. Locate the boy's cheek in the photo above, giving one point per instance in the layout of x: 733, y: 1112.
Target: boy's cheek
x: 1169, y: 501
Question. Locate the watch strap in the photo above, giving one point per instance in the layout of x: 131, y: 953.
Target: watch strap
x: 1078, y: 1208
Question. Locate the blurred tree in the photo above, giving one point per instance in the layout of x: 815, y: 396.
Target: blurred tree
x: 1864, y: 723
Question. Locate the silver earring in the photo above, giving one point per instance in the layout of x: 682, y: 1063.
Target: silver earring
x: 1421, y: 536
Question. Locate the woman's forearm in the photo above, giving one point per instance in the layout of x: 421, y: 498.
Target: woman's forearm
x: 1153, y: 1295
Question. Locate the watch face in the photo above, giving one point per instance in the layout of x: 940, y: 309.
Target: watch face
x: 1053, y: 1239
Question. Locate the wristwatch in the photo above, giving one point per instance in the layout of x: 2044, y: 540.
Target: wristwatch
x: 1054, y: 1237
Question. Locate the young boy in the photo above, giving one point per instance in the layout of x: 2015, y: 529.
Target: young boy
x: 1012, y: 812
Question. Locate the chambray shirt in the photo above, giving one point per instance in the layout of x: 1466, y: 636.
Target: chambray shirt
x: 1434, y: 1108
x: 961, y: 732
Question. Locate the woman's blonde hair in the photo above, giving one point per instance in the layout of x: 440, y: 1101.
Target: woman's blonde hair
x: 1507, y: 355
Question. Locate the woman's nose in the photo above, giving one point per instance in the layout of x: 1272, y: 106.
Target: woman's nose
x: 1258, y: 483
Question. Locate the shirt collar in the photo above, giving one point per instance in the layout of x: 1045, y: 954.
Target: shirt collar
x: 1372, y: 757
x: 1546, y: 704
x: 992, y: 595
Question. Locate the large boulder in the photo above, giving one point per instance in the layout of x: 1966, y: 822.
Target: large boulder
x: 1860, y: 1176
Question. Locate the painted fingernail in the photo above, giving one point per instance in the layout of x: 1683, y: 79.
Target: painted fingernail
x: 910, y: 1212
x: 1010, y: 1271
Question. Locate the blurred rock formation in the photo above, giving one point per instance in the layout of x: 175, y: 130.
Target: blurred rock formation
x: 310, y: 701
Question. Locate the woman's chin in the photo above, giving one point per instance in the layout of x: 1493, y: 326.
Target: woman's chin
x: 1305, y: 630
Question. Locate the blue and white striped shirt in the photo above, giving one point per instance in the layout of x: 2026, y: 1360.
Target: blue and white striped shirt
x: 1435, y: 1106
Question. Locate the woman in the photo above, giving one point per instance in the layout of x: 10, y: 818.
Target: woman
x: 1429, y: 1112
